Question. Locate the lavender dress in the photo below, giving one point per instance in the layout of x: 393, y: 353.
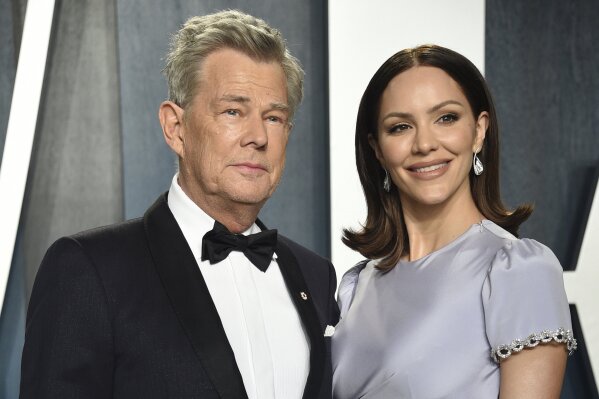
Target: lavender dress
x: 435, y: 327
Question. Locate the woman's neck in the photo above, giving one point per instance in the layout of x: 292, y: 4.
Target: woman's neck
x: 431, y: 227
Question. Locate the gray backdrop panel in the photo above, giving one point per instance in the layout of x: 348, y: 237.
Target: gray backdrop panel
x: 12, y: 14
x: 543, y: 67
x: 74, y: 179
x: 300, y: 206
x: 542, y: 62
x: 12, y: 322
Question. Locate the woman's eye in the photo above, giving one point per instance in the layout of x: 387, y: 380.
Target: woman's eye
x: 400, y: 127
x: 448, y: 118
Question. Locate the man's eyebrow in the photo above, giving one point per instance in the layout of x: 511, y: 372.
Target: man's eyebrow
x: 228, y: 98
x: 235, y: 99
x: 279, y: 107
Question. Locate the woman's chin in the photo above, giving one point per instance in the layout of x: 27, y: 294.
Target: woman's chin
x: 429, y: 198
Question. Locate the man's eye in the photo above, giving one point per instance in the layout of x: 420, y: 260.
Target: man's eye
x: 448, y: 118
x: 232, y: 112
x: 274, y: 119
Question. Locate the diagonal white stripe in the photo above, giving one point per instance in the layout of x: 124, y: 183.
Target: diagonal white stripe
x: 21, y: 126
x: 581, y: 285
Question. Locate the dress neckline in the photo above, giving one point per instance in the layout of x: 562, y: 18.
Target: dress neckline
x: 480, y: 225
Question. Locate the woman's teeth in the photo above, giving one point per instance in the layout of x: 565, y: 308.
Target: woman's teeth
x: 430, y: 168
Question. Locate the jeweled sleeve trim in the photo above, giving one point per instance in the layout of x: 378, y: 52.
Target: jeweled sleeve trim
x: 560, y: 336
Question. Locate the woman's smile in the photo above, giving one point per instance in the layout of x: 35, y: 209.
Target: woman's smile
x: 429, y: 170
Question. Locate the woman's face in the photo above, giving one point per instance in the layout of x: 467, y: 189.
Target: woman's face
x: 427, y: 135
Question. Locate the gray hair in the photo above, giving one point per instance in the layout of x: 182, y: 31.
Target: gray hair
x: 202, y: 35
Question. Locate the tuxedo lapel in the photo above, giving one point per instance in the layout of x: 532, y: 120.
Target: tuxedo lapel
x: 302, y: 300
x: 191, y: 300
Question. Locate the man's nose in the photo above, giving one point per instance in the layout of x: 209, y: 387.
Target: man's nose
x: 255, y: 131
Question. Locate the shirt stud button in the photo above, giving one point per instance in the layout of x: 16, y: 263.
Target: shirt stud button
x: 304, y: 296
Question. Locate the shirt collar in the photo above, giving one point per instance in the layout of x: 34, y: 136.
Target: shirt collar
x: 192, y: 220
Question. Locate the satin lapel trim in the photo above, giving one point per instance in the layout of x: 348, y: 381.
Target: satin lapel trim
x: 191, y: 300
x: 305, y: 307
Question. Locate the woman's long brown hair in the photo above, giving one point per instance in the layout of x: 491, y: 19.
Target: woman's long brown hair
x: 383, y: 235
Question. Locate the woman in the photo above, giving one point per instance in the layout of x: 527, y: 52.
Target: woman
x: 452, y: 304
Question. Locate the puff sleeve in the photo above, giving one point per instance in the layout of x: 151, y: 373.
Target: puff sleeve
x: 347, y: 287
x: 524, y: 300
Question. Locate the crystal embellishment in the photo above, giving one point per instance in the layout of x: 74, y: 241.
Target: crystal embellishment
x: 560, y: 336
x: 477, y: 165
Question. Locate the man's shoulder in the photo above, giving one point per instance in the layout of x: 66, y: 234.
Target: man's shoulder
x: 78, y: 257
x: 114, y: 242
x: 115, y: 253
x: 127, y: 228
x: 109, y: 233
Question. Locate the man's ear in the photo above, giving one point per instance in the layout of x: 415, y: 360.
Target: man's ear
x: 173, y: 127
x: 482, y: 124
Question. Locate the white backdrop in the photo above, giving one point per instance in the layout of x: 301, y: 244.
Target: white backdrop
x: 362, y: 35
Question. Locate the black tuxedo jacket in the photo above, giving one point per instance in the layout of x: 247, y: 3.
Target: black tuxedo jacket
x: 123, y: 312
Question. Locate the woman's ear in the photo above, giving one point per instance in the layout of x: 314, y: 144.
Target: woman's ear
x: 173, y: 127
x: 374, y: 144
x: 482, y: 124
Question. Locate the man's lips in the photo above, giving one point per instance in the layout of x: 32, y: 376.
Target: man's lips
x: 251, y: 167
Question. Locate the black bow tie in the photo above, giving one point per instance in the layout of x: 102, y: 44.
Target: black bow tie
x: 258, y: 248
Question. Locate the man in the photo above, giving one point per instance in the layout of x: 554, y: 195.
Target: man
x: 193, y: 300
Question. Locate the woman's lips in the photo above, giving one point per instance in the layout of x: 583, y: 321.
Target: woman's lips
x: 429, y: 170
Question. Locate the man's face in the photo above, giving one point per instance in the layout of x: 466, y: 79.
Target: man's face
x: 234, y: 132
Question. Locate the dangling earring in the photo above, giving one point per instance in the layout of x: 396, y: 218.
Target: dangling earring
x: 477, y: 165
x: 386, y: 182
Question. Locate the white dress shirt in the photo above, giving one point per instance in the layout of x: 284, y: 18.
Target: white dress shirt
x: 261, y: 323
